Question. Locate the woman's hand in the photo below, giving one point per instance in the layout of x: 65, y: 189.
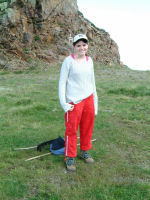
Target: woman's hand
x: 71, y: 108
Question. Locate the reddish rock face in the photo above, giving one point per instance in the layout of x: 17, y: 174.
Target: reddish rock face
x: 31, y: 29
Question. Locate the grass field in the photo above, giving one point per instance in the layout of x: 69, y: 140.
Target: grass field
x: 30, y: 113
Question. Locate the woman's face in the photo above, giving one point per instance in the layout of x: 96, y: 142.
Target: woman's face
x: 80, y: 48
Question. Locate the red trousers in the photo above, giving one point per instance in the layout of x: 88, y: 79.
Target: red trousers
x: 82, y: 116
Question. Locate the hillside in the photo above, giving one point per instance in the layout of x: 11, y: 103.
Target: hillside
x: 44, y: 29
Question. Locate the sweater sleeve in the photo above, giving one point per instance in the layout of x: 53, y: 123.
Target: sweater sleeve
x: 64, y: 73
x: 95, y: 93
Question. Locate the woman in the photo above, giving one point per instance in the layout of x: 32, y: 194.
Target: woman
x: 78, y: 98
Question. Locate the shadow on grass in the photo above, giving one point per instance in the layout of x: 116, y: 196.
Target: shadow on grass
x: 134, y: 92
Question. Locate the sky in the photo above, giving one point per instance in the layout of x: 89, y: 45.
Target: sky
x: 127, y: 22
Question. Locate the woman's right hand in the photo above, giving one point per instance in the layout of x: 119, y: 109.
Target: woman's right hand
x: 71, y: 108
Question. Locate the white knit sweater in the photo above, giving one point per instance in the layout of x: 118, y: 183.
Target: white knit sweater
x: 76, y: 82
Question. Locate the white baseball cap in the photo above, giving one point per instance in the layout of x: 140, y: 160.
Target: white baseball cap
x: 79, y: 37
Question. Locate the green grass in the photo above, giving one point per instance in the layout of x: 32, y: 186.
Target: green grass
x: 30, y: 113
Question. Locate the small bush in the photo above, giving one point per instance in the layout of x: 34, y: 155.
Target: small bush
x: 80, y: 13
x: 2, y: 1
x: 36, y: 38
x: 26, y: 50
x: 20, y: 3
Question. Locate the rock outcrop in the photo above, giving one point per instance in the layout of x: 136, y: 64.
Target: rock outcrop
x: 44, y: 29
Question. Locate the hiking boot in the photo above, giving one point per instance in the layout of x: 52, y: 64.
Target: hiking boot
x: 70, y: 164
x: 86, y: 156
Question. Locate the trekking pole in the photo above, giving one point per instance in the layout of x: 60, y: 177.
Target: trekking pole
x: 25, y: 148
x: 91, y: 141
x: 34, y: 147
x: 32, y: 158
x: 38, y: 156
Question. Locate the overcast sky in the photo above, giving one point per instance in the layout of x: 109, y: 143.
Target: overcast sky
x: 127, y: 22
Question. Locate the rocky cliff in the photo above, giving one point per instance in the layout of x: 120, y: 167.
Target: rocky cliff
x: 44, y: 29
